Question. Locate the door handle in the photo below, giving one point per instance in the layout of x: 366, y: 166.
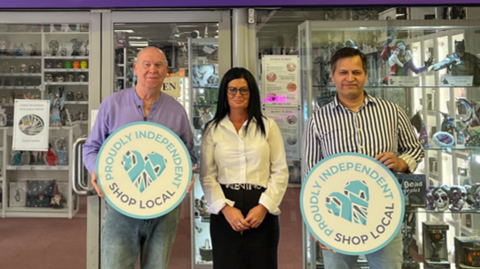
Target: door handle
x: 79, y: 174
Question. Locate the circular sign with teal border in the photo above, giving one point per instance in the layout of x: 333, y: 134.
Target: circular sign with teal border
x: 143, y: 170
x: 352, y: 203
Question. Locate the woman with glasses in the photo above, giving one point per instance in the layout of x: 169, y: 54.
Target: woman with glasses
x: 244, y: 176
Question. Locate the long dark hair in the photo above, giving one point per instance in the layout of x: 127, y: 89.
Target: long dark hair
x: 254, y: 107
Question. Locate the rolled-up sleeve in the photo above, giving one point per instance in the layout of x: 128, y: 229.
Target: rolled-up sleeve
x: 278, y: 181
x: 208, y: 175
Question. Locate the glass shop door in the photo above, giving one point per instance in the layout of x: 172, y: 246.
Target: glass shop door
x: 190, y: 40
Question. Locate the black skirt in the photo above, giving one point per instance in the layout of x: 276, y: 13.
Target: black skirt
x: 253, y: 249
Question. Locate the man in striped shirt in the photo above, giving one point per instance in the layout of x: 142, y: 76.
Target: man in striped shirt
x: 357, y: 122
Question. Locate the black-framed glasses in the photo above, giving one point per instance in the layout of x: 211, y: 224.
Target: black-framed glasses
x: 233, y: 91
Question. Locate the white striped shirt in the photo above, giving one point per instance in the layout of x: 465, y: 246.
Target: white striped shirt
x: 378, y: 126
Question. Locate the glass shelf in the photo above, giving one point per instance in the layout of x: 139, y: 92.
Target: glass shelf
x: 460, y: 147
x: 38, y: 167
x: 66, y: 70
x: 424, y: 211
x: 397, y: 87
x: 20, y: 74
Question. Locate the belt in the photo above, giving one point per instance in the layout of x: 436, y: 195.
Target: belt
x: 242, y: 186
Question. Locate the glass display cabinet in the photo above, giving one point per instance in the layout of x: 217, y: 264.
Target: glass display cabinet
x: 431, y: 70
x: 203, y: 82
x: 41, y: 61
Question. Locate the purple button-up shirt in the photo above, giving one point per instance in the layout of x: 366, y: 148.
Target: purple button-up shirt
x: 125, y: 107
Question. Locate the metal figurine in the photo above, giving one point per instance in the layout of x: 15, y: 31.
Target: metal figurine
x: 57, y: 104
x: 54, y: 46
x: 34, y: 51
x: 86, y: 46
x: 59, y: 78
x: 49, y: 77
x: 79, y: 96
x: 76, y: 45
x: 23, y: 68
x: 70, y: 77
x: 32, y: 69
x: 4, y: 46
x: 461, y: 63
x: 63, y: 50
x: 70, y: 96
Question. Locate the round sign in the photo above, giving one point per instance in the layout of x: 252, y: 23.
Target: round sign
x: 143, y: 170
x: 352, y: 203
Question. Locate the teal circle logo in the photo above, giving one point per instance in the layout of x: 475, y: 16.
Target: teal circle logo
x: 352, y: 203
x: 144, y: 170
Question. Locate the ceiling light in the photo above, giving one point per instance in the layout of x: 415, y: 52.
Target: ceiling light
x: 135, y: 37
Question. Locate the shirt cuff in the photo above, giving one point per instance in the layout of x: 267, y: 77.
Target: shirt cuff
x: 216, y: 206
x: 411, y: 163
x: 269, y: 204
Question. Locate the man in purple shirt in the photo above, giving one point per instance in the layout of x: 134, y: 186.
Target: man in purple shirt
x: 124, y: 238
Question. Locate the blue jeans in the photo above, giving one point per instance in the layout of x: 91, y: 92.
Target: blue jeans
x: 389, y: 257
x: 125, y: 238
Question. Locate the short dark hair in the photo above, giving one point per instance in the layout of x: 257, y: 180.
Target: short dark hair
x: 347, y: 53
x: 254, y: 106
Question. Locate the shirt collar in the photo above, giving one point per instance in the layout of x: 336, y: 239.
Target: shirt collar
x: 369, y: 100
x: 139, y: 102
x: 226, y: 120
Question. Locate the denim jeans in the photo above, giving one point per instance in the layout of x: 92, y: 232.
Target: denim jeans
x: 125, y: 238
x: 389, y: 257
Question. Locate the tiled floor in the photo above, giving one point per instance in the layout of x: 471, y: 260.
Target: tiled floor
x: 61, y: 243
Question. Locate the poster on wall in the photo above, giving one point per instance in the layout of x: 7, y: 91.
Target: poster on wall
x: 31, y: 125
x: 281, y: 80
x: 287, y: 120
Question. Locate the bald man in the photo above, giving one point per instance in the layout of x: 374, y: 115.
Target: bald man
x: 123, y: 238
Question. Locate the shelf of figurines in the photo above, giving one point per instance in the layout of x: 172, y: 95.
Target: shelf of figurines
x: 66, y: 57
x: 20, y: 74
x: 20, y: 88
x: 66, y: 83
x: 67, y: 70
x: 38, y: 167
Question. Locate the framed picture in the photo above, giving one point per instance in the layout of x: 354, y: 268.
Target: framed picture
x: 204, y: 76
x: 18, y: 194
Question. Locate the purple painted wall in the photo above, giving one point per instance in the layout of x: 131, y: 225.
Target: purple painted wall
x: 215, y: 3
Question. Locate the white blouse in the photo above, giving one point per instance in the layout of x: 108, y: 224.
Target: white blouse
x: 230, y: 157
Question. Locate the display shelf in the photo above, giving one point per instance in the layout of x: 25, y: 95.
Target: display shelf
x: 21, y: 33
x: 66, y: 33
x: 66, y: 83
x: 20, y: 57
x: 20, y: 74
x: 38, y: 167
x: 425, y: 211
x: 20, y: 87
x: 66, y: 70
x: 67, y: 57
x: 319, y: 40
x: 37, y: 209
x: 434, y: 147
x: 76, y: 102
